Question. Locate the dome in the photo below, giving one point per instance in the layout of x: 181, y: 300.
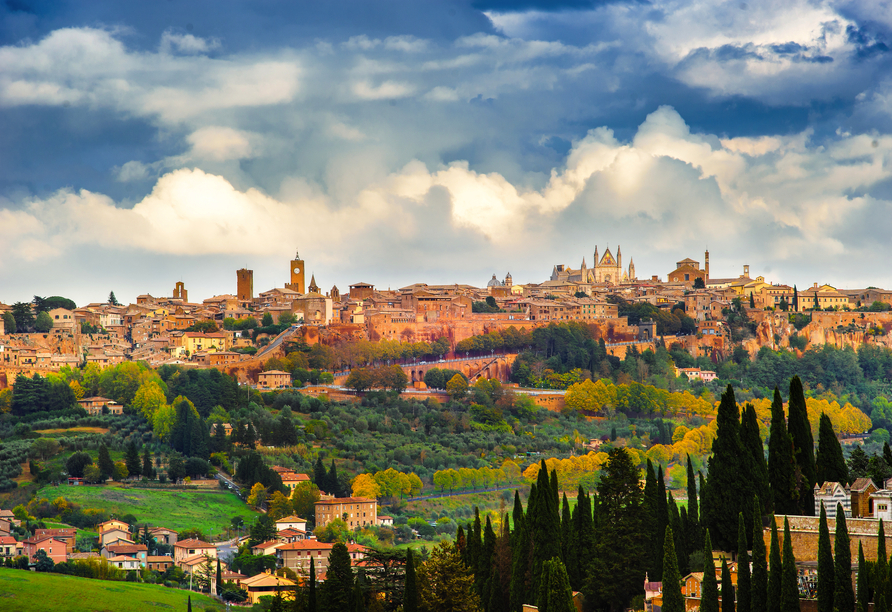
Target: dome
x: 494, y: 282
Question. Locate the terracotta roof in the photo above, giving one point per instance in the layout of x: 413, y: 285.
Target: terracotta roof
x: 289, y: 476
x: 56, y: 533
x: 306, y: 545
x: 268, y: 544
x: 261, y: 580
x: 346, y: 500
x: 122, y: 558
x: 156, y: 559
x: 123, y: 549
x: 8, y: 540
x: 292, y: 519
x: 193, y: 543
x: 861, y: 484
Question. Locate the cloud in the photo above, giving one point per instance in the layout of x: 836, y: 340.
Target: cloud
x: 222, y: 143
x: 186, y: 43
x: 782, y: 197
x: 385, y: 91
x: 132, y: 171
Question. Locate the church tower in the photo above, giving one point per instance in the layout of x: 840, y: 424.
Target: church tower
x: 245, y: 286
x: 632, y: 269
x: 508, y: 281
x: 335, y: 294
x: 707, y: 264
x: 297, y: 275
x: 314, y: 288
x: 180, y: 292
x: 619, y: 257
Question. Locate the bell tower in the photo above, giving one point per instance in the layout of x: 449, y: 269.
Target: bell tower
x: 298, y: 272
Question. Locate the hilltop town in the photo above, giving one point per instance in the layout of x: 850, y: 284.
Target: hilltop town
x: 235, y: 332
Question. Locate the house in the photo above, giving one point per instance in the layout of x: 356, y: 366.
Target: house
x: 296, y: 555
x: 860, y: 492
x: 357, y: 552
x: 291, y: 479
x: 68, y: 536
x: 653, y: 594
x: 274, y: 379
x: 163, y: 535
x: 193, y: 563
x: 110, y: 536
x: 292, y: 535
x: 73, y: 480
x: 56, y: 550
x: 158, y: 563
x: 291, y: 522
x: 188, y: 548
x: 265, y: 548
x: 9, y: 547
x: 264, y: 585
x: 359, y: 511
x: 139, y: 552
x: 96, y: 406
x: 385, y: 521
x: 829, y: 494
x: 124, y: 563
x: 112, y: 524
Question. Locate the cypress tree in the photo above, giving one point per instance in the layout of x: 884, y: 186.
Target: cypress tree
x: 781, y: 463
x: 520, y: 557
x: 189, y: 603
x: 804, y: 445
x: 661, y: 521
x: 825, y: 565
x: 337, y: 589
x: 544, y: 525
x: 730, y: 485
x: 775, y: 571
x: 789, y: 580
x: 880, y: 571
x: 693, y: 528
x: 147, y: 470
x: 843, y: 596
x: 311, y: 594
x: 649, y: 514
x: 485, y: 561
x: 752, y: 441
x: 744, y: 580
x: 583, y: 530
x: 320, y: 476
x: 475, y: 543
x: 555, y: 494
x: 862, y: 580
x: 830, y: 465
x: 702, y: 502
x: 554, y: 592
x: 709, y: 591
x: 105, y: 464
x: 516, y: 515
x: 759, y: 592
x: 410, y: 595
x: 672, y: 597
x: 678, y: 533
x: 727, y: 588
x: 566, y: 530
x: 219, y: 581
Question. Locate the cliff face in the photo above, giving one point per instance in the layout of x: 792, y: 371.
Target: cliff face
x: 839, y: 329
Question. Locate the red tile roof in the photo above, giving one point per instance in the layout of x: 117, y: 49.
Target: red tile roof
x: 306, y: 545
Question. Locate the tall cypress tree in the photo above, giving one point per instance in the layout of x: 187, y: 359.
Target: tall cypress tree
x: 752, y: 441
x: 826, y: 573
x: 862, y: 580
x: 545, y: 525
x: 804, y: 445
x: 790, y: 578
x: 775, y: 571
x: 693, y: 527
x: 744, y: 580
x: 709, y: 590
x: 311, y: 591
x: 781, y: 463
x: 880, y: 571
x: 843, y: 595
x: 410, y: 595
x: 678, y: 533
x: 520, y: 554
x: 649, y: 515
x: 729, y: 488
x: 759, y: 592
x: 830, y: 465
x: 583, y: 540
x: 566, y: 530
x: 672, y: 597
x: 219, y: 578
x: 485, y: 561
x: 661, y: 521
x: 727, y: 588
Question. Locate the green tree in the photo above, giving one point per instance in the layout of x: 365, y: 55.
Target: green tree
x: 410, y: 596
x: 457, y: 387
x: 829, y: 462
x: 692, y: 529
x: 43, y: 323
x: 360, y: 379
x: 752, y: 442
x: 311, y: 589
x: 709, y: 590
x: 744, y: 579
x: 804, y: 445
x: 776, y: 571
x: 727, y: 588
x: 131, y: 459
x: 105, y: 464
x: 649, y: 523
x: 555, y: 594
x: 147, y: 470
x: 112, y: 299
x: 862, y: 580
x: 446, y: 584
x: 44, y: 562
x: 76, y: 464
x: 781, y: 462
x: 9, y: 324
x: 730, y: 486
x: 759, y: 591
x: 843, y: 595
x: 337, y: 589
x: 545, y: 525
x: 789, y: 600
x: 616, y: 571
x: 672, y: 597
x: 23, y: 315
x: 825, y: 565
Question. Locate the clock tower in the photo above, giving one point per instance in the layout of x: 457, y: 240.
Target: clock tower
x: 297, y: 275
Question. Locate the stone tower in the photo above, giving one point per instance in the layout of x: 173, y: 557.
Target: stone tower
x: 632, y: 269
x: 298, y: 272
x: 180, y: 293
x: 508, y: 281
x: 707, y: 264
x: 314, y: 288
x: 245, y: 292
x: 335, y: 294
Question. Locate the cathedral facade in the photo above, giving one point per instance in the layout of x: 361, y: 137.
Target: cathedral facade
x: 607, y: 270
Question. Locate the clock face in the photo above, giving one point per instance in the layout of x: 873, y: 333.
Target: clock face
x: 297, y: 270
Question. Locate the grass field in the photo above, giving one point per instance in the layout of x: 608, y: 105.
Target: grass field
x: 35, y: 592
x: 210, y: 511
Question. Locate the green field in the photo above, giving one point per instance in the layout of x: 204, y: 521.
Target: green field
x: 210, y: 511
x: 34, y: 592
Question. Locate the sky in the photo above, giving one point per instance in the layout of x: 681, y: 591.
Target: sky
x: 439, y: 141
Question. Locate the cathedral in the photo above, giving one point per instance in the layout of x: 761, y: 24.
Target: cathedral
x: 607, y: 270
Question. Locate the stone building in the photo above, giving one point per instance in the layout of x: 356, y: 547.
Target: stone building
x: 355, y: 511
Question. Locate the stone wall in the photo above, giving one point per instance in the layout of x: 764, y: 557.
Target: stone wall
x: 804, y: 535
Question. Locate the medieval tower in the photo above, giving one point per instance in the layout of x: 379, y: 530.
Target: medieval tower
x: 298, y: 272
x: 245, y: 288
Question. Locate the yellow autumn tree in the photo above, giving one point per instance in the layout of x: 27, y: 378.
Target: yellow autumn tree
x: 364, y: 485
x: 257, y: 495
